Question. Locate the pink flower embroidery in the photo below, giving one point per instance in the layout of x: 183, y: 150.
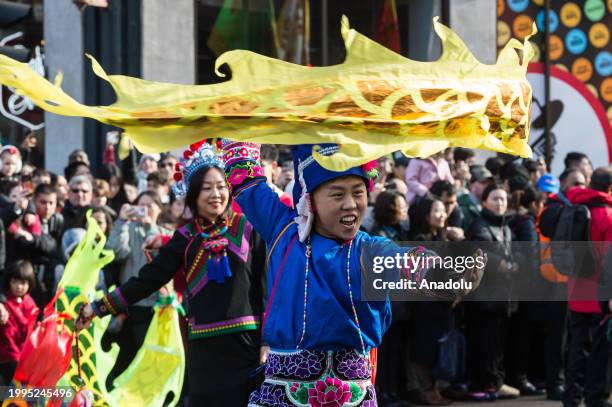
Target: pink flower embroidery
x: 257, y: 171
x: 329, y: 393
x: 237, y: 176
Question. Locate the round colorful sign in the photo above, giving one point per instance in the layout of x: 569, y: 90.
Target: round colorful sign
x: 594, y: 10
x: 586, y: 135
x: 576, y: 41
x: 571, y: 15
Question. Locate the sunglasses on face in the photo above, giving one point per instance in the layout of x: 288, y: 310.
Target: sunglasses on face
x: 79, y: 191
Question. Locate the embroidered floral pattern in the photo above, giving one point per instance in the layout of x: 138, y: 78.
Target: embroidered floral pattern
x: 330, y: 392
x: 240, y: 172
x: 239, y: 151
x: 305, y: 378
x: 270, y: 395
x: 307, y: 365
x: 370, y: 399
x: 351, y: 366
x: 237, y: 176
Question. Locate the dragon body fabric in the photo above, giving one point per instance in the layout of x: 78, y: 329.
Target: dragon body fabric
x: 159, y: 364
x: 374, y: 103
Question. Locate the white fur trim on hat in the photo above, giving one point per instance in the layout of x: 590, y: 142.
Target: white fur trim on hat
x: 305, y: 216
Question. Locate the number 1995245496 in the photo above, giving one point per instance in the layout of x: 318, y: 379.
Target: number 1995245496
x: 36, y: 393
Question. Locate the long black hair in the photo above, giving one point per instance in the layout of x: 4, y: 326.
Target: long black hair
x: 419, y: 212
x: 195, y: 186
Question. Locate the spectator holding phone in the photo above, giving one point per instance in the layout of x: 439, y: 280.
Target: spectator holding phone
x: 13, y: 202
x: 41, y: 247
x: 134, y: 226
x: 17, y: 227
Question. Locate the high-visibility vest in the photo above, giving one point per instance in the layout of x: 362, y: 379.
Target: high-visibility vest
x: 547, y: 269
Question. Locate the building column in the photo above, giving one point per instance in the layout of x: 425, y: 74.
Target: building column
x: 168, y: 41
x: 63, y: 34
x: 476, y: 23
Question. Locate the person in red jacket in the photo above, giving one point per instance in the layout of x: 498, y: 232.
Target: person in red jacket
x: 588, y: 356
x: 22, y: 312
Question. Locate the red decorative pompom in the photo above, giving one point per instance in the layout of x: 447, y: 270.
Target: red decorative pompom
x: 219, y: 144
x: 196, y: 146
x: 178, y: 176
x: 177, y: 167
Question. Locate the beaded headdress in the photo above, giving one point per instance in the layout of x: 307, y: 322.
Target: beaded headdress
x: 199, y: 155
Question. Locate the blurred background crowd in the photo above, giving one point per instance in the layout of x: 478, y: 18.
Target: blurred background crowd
x: 507, y: 349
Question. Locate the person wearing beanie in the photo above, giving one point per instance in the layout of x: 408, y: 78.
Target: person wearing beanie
x: 10, y: 158
x: 548, y: 184
x: 146, y: 166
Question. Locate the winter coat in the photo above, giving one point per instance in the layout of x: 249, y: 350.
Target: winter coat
x: 13, y: 334
x: 421, y: 174
x: 601, y: 231
x: 489, y: 227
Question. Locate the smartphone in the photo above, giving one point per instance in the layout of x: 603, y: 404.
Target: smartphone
x: 139, y: 211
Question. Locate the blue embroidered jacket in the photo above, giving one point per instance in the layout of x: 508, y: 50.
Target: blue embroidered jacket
x: 330, y: 322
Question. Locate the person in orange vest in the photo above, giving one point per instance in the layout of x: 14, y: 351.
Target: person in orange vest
x: 555, y: 310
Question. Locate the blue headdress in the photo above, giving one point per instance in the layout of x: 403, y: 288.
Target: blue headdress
x: 310, y: 175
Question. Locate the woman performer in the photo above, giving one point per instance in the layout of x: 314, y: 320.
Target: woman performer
x: 223, y: 261
x: 319, y: 327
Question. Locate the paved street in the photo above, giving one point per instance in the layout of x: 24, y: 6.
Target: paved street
x: 534, y: 401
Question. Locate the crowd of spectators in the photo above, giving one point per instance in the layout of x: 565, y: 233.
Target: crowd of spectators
x: 449, y: 197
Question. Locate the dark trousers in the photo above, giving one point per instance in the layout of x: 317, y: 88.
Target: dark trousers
x: 587, y: 373
x: 521, y: 334
x: 392, y: 358
x: 537, y: 323
x: 486, y: 342
x: 555, y: 326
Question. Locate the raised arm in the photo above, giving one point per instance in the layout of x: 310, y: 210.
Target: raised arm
x: 260, y: 204
x: 151, y: 278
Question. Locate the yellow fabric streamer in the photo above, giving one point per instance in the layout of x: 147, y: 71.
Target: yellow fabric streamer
x: 374, y: 103
x: 78, y: 282
x: 158, y: 367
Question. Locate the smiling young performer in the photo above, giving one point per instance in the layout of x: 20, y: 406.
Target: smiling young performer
x: 319, y: 329
x: 223, y: 262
